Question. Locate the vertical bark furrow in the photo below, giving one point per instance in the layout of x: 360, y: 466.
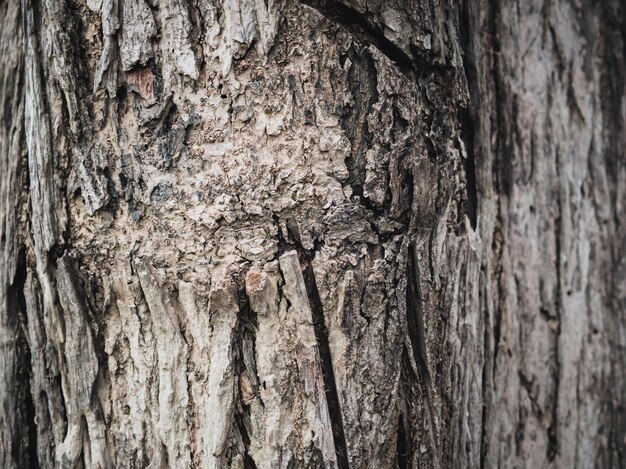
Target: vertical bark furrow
x: 24, y: 444
x: 45, y: 385
x: 310, y: 356
x: 17, y: 444
x: 403, y: 458
x: 613, y: 99
x: 415, y: 323
x: 247, y: 375
x: 321, y: 335
x: 552, y: 429
x: 79, y: 372
x: 469, y: 166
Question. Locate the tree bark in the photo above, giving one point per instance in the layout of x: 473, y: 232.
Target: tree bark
x: 322, y: 234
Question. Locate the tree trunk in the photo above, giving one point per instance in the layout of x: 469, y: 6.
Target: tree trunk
x: 297, y: 235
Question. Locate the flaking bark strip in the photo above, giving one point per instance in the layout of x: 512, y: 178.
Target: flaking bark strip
x: 85, y: 424
x: 47, y: 205
x: 280, y: 391
x: 220, y: 408
x: 415, y: 323
x: 172, y: 366
x: 45, y: 378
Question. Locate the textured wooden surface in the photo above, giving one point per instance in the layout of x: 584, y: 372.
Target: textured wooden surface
x: 321, y: 234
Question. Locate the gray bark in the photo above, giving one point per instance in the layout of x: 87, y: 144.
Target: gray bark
x: 330, y: 234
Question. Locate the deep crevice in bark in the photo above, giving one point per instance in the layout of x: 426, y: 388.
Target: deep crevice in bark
x: 403, y: 445
x: 361, y: 29
x: 469, y: 165
x: 409, y: 399
x: 24, y: 446
x: 467, y: 116
x: 500, y: 179
x: 553, y: 444
x: 242, y: 417
x: 364, y: 81
x: 321, y: 335
x: 613, y: 81
x: 415, y: 323
x: 246, y: 336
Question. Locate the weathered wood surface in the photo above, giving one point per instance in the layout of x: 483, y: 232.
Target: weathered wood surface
x: 281, y: 234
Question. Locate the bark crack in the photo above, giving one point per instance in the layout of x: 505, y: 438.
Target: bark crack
x: 247, y: 373
x: 24, y: 447
x: 360, y: 28
x: 552, y: 449
x: 321, y: 335
x: 402, y: 449
x: 467, y: 116
x: 406, y: 397
x: 492, y: 330
x: 469, y: 165
x: 415, y: 322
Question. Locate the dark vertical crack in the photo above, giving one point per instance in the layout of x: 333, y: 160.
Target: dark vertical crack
x: 407, y: 398
x: 246, y: 370
x: 24, y: 446
x: 467, y: 116
x: 403, y: 454
x: 553, y: 448
x: 612, y: 45
x: 469, y: 165
x: 492, y: 331
x: 242, y: 422
x: 321, y: 335
x: 415, y: 322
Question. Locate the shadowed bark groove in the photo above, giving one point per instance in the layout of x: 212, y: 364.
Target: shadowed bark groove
x: 418, y: 343
x: 321, y: 335
x: 358, y: 25
x: 248, y: 380
x: 24, y: 446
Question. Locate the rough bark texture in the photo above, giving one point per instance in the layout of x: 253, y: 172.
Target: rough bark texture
x: 265, y: 233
